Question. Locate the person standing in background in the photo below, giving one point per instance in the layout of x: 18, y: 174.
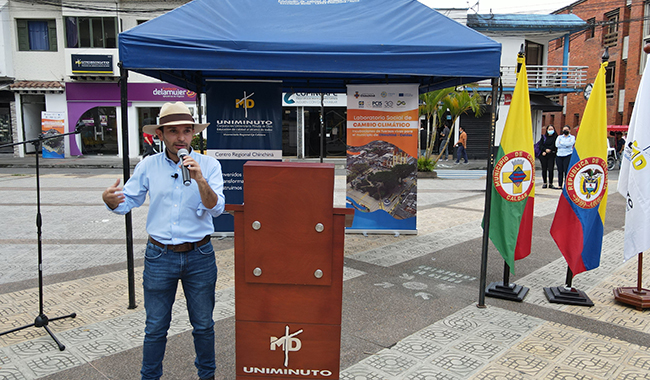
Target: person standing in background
x: 547, y: 156
x: 564, y: 144
x: 462, y: 146
x: 620, y: 147
x: 444, y: 136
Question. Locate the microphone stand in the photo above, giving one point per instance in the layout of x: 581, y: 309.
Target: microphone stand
x: 41, y: 320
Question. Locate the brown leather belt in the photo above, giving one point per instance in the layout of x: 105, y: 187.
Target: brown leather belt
x: 181, y: 247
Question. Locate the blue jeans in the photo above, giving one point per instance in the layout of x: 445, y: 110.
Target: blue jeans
x: 461, y: 153
x: 445, y: 153
x: 197, y: 271
x: 562, y: 168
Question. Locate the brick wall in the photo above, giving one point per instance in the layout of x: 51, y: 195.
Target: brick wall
x: 586, y: 50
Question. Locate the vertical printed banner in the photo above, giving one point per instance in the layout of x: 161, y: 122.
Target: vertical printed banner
x: 382, y: 130
x: 245, y: 124
x: 52, y: 124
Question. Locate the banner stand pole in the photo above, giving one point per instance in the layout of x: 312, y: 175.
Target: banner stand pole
x: 635, y: 296
x: 506, y: 290
x: 567, y: 294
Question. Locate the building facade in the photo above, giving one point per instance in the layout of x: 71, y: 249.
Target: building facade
x: 547, y: 79
x: 61, y: 57
x: 621, y: 26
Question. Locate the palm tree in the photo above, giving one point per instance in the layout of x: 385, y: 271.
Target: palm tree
x: 431, y: 107
x: 458, y: 103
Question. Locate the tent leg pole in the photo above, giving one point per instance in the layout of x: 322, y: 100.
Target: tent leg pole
x: 126, y: 167
x: 488, y: 197
x: 322, y: 126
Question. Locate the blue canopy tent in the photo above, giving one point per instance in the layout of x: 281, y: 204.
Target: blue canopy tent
x: 307, y: 45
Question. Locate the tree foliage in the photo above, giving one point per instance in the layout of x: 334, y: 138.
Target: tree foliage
x: 456, y: 102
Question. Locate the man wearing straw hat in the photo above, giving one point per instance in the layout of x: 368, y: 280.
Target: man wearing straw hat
x: 179, y: 225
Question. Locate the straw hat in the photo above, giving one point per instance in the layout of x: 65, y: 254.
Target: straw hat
x: 174, y: 114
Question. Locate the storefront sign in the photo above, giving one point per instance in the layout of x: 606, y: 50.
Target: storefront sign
x: 139, y: 92
x: 92, y: 64
x: 382, y: 132
x: 313, y: 99
x: 245, y: 124
x: 52, y: 124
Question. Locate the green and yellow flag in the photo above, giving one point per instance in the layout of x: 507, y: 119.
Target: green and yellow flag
x: 513, y: 189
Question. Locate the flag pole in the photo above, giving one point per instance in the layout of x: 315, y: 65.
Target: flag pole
x: 567, y: 294
x: 635, y: 296
x: 638, y: 297
x: 504, y: 289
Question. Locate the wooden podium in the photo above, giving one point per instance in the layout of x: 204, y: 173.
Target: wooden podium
x: 288, y: 272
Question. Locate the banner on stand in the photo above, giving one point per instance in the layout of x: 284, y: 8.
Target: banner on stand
x: 245, y: 124
x: 382, y: 152
x: 52, y: 124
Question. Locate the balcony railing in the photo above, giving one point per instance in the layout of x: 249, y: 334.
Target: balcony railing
x: 546, y: 77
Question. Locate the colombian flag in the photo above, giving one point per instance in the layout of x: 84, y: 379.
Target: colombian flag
x: 578, y: 224
x: 513, y: 189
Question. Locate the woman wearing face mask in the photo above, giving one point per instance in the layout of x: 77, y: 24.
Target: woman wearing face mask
x: 547, y: 155
x: 564, y: 145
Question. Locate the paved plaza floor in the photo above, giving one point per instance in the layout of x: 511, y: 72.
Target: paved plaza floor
x: 409, y: 302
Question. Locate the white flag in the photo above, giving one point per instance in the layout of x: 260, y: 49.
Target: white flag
x: 634, y: 177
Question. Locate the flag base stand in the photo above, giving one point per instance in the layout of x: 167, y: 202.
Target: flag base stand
x: 510, y: 292
x: 636, y: 296
x: 568, y: 296
x: 633, y: 296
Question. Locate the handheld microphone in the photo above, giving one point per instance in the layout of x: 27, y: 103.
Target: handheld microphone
x: 184, y: 170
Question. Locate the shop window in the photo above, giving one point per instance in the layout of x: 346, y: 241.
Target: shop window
x: 91, y: 32
x: 5, y: 128
x: 146, y: 116
x: 98, y: 128
x: 610, y: 35
x: 36, y: 35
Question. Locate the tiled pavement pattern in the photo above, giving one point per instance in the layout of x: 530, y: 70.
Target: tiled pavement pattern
x: 473, y: 343
x: 496, y: 344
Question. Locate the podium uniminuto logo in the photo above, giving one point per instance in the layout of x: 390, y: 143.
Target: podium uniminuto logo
x: 287, y: 343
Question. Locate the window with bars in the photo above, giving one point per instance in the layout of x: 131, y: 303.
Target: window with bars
x: 610, y: 32
x: 36, y: 35
x: 91, y: 32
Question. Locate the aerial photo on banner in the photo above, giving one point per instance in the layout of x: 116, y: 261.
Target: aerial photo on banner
x: 382, y: 156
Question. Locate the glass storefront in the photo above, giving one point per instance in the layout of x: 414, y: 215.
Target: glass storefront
x: 146, y: 116
x: 98, y: 131
x: 335, y: 131
x: 5, y: 128
x: 289, y: 132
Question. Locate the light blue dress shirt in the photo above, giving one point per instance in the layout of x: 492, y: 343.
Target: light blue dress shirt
x: 176, y: 214
x: 565, y: 144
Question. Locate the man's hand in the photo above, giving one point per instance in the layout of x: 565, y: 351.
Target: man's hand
x: 113, y: 196
x: 194, y: 168
x: 208, y: 197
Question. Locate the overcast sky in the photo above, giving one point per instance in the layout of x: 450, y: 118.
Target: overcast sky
x: 502, y: 6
